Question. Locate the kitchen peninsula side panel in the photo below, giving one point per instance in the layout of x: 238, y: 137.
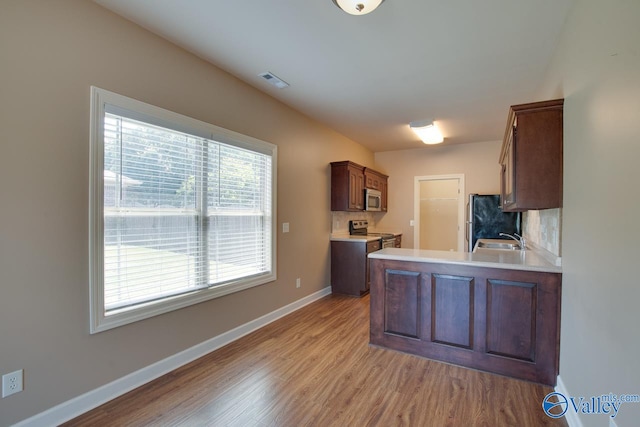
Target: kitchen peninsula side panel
x: 497, y: 320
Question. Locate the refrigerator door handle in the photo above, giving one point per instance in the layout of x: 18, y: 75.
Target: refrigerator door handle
x: 469, y: 227
x: 467, y: 224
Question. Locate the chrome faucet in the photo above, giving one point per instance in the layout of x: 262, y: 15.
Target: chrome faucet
x: 518, y: 238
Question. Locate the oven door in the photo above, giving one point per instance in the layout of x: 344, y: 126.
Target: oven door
x: 388, y: 243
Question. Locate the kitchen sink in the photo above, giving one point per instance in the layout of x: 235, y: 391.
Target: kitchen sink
x: 499, y: 245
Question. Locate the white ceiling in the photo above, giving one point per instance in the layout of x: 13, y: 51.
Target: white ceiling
x: 459, y: 62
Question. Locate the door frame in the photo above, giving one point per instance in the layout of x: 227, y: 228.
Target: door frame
x: 461, y: 206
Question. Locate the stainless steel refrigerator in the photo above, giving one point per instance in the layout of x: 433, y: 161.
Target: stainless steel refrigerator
x: 486, y: 220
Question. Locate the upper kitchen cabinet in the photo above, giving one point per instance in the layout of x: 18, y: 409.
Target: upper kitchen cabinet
x: 531, y: 157
x: 348, y: 182
x: 347, y: 186
x: 377, y: 181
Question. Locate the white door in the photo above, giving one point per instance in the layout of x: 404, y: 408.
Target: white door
x: 439, y: 206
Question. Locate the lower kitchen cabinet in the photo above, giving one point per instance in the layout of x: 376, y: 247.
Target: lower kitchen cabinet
x: 497, y: 320
x: 350, y: 266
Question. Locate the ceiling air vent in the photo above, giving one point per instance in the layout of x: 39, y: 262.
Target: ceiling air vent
x: 274, y: 80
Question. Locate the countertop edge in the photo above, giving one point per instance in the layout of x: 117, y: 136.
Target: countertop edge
x: 346, y: 237
x: 354, y: 239
x: 444, y: 257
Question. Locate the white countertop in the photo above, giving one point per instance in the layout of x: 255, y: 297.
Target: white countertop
x: 384, y: 230
x: 345, y: 237
x: 348, y: 238
x: 530, y: 259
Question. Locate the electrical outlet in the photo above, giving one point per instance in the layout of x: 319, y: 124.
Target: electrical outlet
x: 12, y: 383
x: 298, y: 282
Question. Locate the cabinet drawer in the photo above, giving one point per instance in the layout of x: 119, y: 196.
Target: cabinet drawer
x: 373, y: 246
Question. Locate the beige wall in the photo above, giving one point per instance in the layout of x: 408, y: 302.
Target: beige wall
x: 51, y: 53
x: 478, y: 162
x: 597, y: 70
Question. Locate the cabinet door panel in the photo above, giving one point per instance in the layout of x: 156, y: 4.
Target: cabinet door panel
x: 356, y: 189
x: 349, y: 268
x: 401, y: 309
x: 383, y: 190
x: 452, y: 310
x: 508, y: 177
x: 511, y: 319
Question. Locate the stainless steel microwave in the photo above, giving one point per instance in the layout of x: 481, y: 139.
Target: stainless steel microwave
x: 372, y: 200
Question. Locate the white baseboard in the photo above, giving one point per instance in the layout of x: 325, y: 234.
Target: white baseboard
x: 83, y: 403
x: 571, y: 416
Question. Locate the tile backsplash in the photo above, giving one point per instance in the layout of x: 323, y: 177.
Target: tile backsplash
x: 544, y: 229
x: 340, y: 220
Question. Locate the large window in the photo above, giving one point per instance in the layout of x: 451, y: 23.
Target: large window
x: 181, y: 211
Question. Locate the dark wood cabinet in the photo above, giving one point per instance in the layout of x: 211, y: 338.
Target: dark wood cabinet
x: 347, y: 186
x: 374, y: 179
x: 348, y: 181
x: 498, y: 320
x: 377, y: 181
x: 350, y: 266
x: 384, y: 191
x: 531, y: 157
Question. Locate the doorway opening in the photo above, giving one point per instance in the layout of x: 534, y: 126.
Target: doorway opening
x: 439, y: 212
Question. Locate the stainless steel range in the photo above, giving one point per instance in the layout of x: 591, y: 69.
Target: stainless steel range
x: 360, y: 228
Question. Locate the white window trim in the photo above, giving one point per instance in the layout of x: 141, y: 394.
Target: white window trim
x: 159, y: 116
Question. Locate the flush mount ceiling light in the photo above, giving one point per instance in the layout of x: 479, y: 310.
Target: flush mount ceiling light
x: 427, y: 131
x: 358, y: 7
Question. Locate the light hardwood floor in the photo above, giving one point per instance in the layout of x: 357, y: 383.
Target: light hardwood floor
x: 316, y: 368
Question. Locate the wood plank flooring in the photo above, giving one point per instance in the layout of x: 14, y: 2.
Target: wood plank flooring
x: 316, y: 368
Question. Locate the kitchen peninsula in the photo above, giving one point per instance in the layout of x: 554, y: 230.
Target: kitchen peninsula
x: 493, y: 310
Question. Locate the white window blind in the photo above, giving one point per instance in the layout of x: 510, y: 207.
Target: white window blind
x: 182, y: 214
